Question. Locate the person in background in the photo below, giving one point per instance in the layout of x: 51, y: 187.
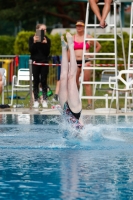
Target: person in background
x: 78, y: 49
x: 105, y: 11
x: 40, y: 54
x: 2, y: 79
x: 1, y: 83
x: 55, y: 98
x: 40, y: 94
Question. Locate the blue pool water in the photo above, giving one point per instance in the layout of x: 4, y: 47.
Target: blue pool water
x: 42, y: 158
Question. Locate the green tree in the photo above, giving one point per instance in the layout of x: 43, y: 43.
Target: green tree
x: 21, y: 45
x: 66, y: 11
x: 6, y: 45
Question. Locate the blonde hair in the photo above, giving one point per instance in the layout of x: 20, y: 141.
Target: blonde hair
x: 39, y: 25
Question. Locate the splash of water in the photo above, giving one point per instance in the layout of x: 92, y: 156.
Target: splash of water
x: 94, y: 133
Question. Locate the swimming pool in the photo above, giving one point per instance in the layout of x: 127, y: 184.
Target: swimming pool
x: 41, y: 159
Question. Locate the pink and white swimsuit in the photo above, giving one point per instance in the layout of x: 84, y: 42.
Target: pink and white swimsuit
x: 71, y: 117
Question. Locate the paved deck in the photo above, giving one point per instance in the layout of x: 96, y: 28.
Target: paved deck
x: 56, y: 112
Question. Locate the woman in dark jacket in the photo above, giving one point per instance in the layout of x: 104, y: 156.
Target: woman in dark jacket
x: 39, y: 54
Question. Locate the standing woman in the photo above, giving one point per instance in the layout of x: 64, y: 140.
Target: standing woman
x: 78, y: 49
x: 39, y: 54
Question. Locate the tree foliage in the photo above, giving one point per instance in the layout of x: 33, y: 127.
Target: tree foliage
x: 6, y: 45
x: 21, y: 45
x: 65, y: 12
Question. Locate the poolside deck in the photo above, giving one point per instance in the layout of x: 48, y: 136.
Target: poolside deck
x: 56, y: 112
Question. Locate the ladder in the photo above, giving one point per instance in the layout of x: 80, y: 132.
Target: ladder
x: 130, y: 53
x: 101, y: 56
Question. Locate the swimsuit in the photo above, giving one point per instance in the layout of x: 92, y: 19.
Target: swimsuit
x: 79, y: 62
x: 80, y: 45
x: 71, y: 117
x: 101, y: 1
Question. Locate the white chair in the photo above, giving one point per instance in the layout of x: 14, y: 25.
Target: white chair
x: 105, y: 78
x: 21, y: 82
x: 3, y: 73
x: 127, y: 86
